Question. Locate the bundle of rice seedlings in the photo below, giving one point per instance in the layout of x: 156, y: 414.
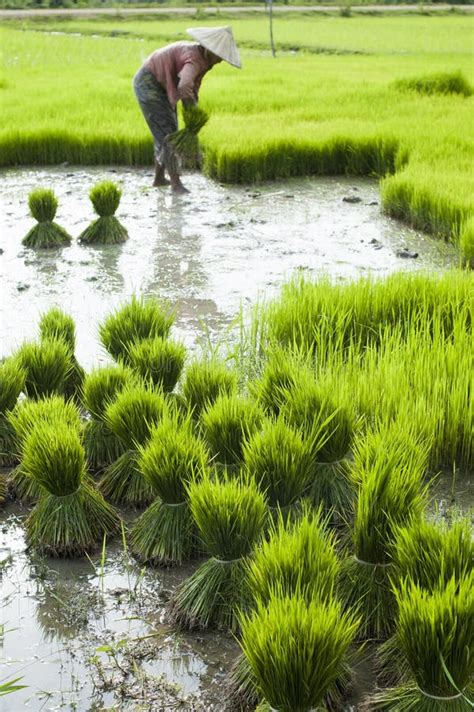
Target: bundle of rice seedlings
x: 134, y: 321
x: 185, y: 141
x: 56, y: 324
x: 100, y: 388
x: 43, y: 205
x: 428, y: 554
x: 70, y: 518
x: 435, y: 632
x: 297, y: 558
x: 280, y: 462
x: 131, y: 416
x: 330, y: 427
x: 227, y: 423
x: 106, y: 230
x: 204, y: 382
x: 388, y: 470
x: 158, y: 361
x: 47, y: 366
x: 296, y: 649
x: 164, y: 534
x: 230, y: 516
x: 24, y: 417
x: 12, y: 382
x: 280, y: 375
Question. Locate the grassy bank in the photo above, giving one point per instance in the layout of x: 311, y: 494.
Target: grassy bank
x: 331, y: 107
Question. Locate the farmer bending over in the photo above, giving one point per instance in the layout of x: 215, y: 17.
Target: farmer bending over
x: 172, y: 73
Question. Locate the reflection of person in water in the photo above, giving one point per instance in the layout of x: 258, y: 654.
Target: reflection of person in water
x: 175, y: 73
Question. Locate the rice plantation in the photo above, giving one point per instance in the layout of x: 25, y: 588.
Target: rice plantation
x: 236, y: 426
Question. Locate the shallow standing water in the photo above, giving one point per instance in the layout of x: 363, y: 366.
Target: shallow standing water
x: 207, y: 252
x: 74, y: 629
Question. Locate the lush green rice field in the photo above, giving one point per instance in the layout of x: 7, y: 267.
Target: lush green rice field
x: 332, y: 109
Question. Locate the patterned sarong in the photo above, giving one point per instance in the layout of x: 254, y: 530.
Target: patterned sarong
x: 160, y: 116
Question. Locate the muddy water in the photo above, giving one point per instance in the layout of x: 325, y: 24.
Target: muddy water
x: 208, y: 252
x: 94, y: 635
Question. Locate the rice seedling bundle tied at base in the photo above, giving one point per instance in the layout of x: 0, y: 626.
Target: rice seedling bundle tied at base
x: 55, y: 324
x: 43, y: 205
x: 70, y: 517
x: 106, y: 230
x: 230, y: 516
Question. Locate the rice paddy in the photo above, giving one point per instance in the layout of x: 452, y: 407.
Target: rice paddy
x: 272, y: 507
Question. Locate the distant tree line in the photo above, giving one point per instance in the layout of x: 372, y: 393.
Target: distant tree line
x: 19, y: 4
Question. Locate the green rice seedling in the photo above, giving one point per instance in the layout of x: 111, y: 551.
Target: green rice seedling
x: 466, y: 243
x: 136, y: 320
x: 56, y: 324
x: 23, y: 419
x: 298, y: 558
x: 46, y: 234
x: 227, y: 423
x: 230, y: 515
x: 440, y: 83
x: 172, y: 458
x: 435, y: 632
x: 100, y: 387
x: 12, y: 382
x: 158, y: 361
x: 278, y: 459
x: 185, y: 140
x: 389, y: 467
x: 3, y: 489
x: 70, y: 518
x: 296, y: 649
x: 47, y: 366
x: 206, y: 380
x: 131, y: 417
x: 430, y: 555
x: 280, y: 374
x: 329, y: 426
x: 106, y: 230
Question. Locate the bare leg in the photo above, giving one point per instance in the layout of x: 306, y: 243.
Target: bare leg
x: 176, y: 185
x: 160, y: 176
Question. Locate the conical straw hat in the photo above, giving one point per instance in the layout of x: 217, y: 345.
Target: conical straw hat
x: 218, y: 40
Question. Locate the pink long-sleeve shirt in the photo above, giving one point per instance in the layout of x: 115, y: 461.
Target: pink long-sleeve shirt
x: 179, y: 68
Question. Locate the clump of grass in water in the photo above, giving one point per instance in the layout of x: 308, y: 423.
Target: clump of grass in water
x: 131, y: 417
x: 12, y: 382
x: 296, y: 649
x: 227, y: 423
x: 100, y: 388
x: 185, y: 141
x: 430, y: 555
x: 136, y: 320
x: 56, y: 324
x: 164, y: 534
x: 389, y: 466
x: 299, y: 558
x: 230, y: 516
x: 279, y: 461
x: 70, y: 518
x: 329, y: 426
x: 435, y: 632
x: 106, y: 230
x: 440, y: 83
x: 24, y: 417
x: 205, y: 381
x: 43, y: 205
x: 47, y: 366
x: 158, y: 361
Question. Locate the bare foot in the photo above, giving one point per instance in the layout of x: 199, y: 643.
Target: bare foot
x: 159, y: 182
x: 179, y: 188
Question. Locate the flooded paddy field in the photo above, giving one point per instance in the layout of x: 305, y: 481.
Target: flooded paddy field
x: 94, y: 634
x: 208, y: 252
